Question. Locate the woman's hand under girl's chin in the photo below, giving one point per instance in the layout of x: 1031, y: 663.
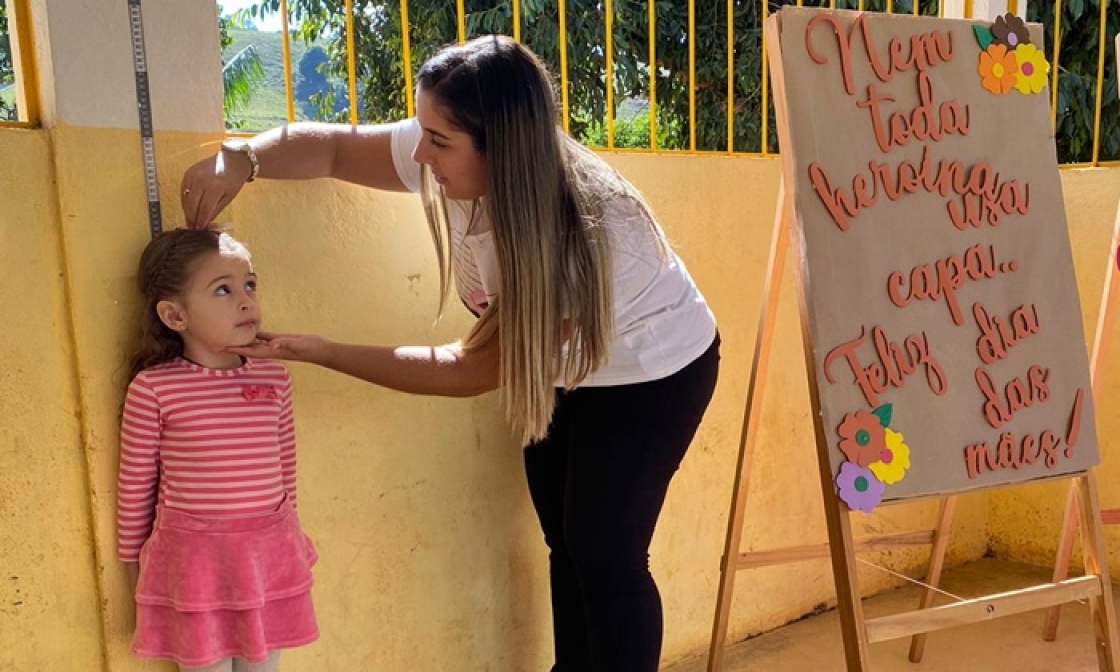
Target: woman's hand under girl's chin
x: 294, y: 347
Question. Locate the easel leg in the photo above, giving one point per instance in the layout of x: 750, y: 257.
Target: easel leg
x: 1100, y: 350
x: 936, y: 564
x: 751, y: 420
x: 841, y: 545
x: 1102, y: 611
x: 849, y: 603
x: 1061, y: 564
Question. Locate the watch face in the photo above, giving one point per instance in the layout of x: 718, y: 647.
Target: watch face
x: 235, y: 145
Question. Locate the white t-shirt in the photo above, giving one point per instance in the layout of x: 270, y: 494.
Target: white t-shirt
x: 661, y: 320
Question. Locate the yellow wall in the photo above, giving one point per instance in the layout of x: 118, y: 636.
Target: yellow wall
x: 1025, y: 522
x: 431, y: 555
x: 48, y: 595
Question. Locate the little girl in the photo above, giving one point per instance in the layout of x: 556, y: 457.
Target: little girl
x: 207, y: 481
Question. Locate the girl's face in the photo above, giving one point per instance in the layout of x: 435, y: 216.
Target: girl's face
x: 218, y: 309
x: 450, y: 154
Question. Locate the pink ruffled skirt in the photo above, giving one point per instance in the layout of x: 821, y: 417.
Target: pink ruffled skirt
x: 211, y: 589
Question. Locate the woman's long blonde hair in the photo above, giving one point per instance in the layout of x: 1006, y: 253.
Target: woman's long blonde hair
x: 545, y: 200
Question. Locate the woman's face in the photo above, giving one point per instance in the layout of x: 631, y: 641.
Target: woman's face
x: 449, y: 153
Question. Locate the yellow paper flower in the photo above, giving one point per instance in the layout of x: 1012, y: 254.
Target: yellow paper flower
x: 894, y: 461
x: 1033, y: 69
x: 998, y: 69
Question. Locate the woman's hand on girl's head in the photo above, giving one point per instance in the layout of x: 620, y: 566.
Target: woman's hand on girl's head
x: 208, y: 187
x: 293, y: 347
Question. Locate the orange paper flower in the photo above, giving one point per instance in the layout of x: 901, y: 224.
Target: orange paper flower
x: 861, y: 438
x: 998, y: 69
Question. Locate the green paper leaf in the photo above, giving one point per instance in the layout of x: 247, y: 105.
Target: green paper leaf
x: 983, y: 36
x: 884, y: 414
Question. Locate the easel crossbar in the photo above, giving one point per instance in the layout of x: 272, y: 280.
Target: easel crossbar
x: 780, y: 556
x: 982, y: 609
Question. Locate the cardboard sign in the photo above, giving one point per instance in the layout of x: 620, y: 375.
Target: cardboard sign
x: 936, y: 270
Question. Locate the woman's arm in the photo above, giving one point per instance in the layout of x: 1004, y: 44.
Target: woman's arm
x: 301, y: 151
x: 446, y: 370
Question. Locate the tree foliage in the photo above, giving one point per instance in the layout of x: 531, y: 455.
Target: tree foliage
x: 629, y: 132
x: 318, y: 96
x: 433, y: 23
x: 7, y: 76
x: 241, y: 72
x: 1077, y: 78
x: 312, y: 81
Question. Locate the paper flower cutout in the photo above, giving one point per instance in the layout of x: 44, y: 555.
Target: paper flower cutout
x: 858, y: 487
x: 861, y: 438
x: 876, y: 457
x: 1008, y: 60
x: 1033, y: 69
x: 1010, y: 31
x: 998, y: 69
x: 895, y: 459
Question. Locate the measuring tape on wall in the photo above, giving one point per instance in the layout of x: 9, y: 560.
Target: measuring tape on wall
x: 144, y: 104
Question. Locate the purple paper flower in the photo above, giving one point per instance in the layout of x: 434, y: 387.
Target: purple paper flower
x: 858, y: 487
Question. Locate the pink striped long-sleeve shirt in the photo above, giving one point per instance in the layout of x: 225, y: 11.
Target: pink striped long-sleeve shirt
x: 211, y: 442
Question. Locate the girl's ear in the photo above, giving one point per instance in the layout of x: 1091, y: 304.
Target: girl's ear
x: 172, y: 315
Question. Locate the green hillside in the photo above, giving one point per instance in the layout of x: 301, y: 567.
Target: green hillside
x: 267, y: 107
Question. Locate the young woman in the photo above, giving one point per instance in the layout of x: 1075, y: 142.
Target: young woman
x: 605, y: 352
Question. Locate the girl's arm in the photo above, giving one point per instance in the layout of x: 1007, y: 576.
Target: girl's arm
x: 138, y: 469
x: 286, y: 434
x: 446, y: 370
x: 299, y: 151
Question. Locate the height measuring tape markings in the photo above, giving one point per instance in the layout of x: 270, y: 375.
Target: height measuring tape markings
x: 144, y: 105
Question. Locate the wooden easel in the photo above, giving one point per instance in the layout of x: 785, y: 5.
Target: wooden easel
x: 1100, y: 347
x: 858, y: 632
x: 734, y: 560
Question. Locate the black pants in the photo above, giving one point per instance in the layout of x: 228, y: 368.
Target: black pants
x: 598, y: 482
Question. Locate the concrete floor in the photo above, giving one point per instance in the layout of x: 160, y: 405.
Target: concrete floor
x: 1011, y: 643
